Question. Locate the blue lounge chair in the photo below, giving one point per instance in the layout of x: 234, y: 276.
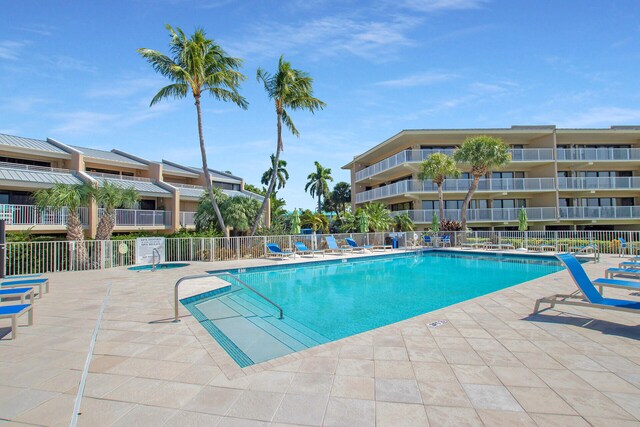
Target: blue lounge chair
x: 629, y: 264
x: 445, y: 240
x: 589, y: 297
x: 27, y: 282
x: 13, y: 312
x: 427, y: 240
x: 615, y: 283
x: 357, y: 247
x: 302, y: 249
x: 273, y: 250
x: 17, y: 292
x: 627, y: 247
x: 332, y: 246
x: 610, y: 272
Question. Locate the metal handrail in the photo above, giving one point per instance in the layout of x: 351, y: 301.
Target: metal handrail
x: 176, y: 301
x: 585, y: 250
x: 153, y: 258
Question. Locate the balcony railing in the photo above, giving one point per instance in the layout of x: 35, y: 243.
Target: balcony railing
x: 140, y: 218
x: 598, y: 154
x: 483, y: 215
x: 33, y: 215
x: 457, y: 185
x: 415, y: 156
x: 599, y: 183
x: 600, y: 212
x: 187, y: 218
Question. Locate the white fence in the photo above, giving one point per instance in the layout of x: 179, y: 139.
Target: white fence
x: 33, y: 215
x: 139, y: 217
x: 43, y: 257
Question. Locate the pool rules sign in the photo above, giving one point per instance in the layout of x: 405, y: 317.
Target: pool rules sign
x: 148, y: 249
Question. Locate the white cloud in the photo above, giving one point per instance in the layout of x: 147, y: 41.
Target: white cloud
x: 40, y: 29
x: 599, y: 117
x: 23, y: 104
x: 10, y: 49
x: 440, y: 5
x: 125, y: 88
x: 423, y: 79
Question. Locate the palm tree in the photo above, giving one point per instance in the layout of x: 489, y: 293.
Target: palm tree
x: 315, y: 221
x: 340, y: 196
x: 111, y: 197
x: 379, y: 216
x: 289, y: 89
x: 482, y: 153
x: 282, y: 177
x: 198, y: 64
x: 437, y: 167
x: 317, y: 184
x: 404, y: 222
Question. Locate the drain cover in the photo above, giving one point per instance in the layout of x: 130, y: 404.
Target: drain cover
x: 436, y: 324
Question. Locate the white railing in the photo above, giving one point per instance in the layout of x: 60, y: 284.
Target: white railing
x: 187, y: 218
x: 33, y: 168
x: 599, y: 183
x: 457, y: 185
x: 43, y: 257
x: 482, y: 215
x: 119, y: 176
x: 140, y: 218
x: 33, y: 215
x: 598, y: 154
x: 415, y: 156
x: 600, y: 212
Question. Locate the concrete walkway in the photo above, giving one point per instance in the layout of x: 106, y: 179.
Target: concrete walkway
x: 491, y: 363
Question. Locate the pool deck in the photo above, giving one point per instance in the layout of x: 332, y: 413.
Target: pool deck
x: 491, y: 363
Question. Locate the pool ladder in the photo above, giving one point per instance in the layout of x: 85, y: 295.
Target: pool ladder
x: 154, y: 264
x: 176, y: 300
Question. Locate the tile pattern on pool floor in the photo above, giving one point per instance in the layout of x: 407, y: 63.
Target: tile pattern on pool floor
x: 490, y: 364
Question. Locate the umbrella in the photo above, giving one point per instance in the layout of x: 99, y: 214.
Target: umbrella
x: 522, y: 220
x: 363, y: 222
x: 295, y: 222
x: 435, y: 223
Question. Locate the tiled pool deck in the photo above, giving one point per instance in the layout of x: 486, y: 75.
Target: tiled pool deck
x: 492, y: 363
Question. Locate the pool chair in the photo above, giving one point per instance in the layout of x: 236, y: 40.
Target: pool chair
x: 615, y: 283
x: 357, y: 247
x: 7, y: 284
x: 21, y: 293
x: 13, y: 312
x: 610, y: 272
x: 629, y: 264
x: 588, y: 296
x: 332, y: 246
x: 302, y: 249
x: 427, y: 241
x: 445, y: 240
x: 627, y: 247
x: 274, y: 251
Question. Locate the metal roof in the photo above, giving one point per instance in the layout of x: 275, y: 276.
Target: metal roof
x: 107, y: 155
x: 170, y: 168
x: 143, y: 187
x: 30, y: 143
x: 10, y: 174
x: 196, y: 193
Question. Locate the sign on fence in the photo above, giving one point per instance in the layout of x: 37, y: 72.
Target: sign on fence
x: 149, y: 249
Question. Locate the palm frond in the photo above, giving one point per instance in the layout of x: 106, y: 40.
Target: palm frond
x: 289, y: 123
x: 176, y: 90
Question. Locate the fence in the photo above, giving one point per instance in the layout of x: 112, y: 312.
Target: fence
x: 43, y: 257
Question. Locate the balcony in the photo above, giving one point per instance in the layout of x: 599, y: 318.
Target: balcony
x: 416, y: 156
x: 598, y: 154
x: 187, y: 219
x: 484, y: 215
x: 140, y: 218
x: 457, y: 185
x: 29, y: 215
x: 600, y: 212
x: 599, y: 183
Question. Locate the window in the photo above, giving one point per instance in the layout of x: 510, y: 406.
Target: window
x: 226, y: 185
x: 509, y: 203
x: 24, y: 161
x: 563, y: 203
x: 110, y: 172
x: 564, y: 174
x: 15, y: 197
x: 431, y: 204
x: 147, y: 205
x: 624, y: 201
x: 507, y: 175
x: 404, y: 178
x: 406, y: 206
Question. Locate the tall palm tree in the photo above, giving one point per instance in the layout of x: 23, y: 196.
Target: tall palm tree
x: 437, y: 167
x: 482, y: 153
x: 317, y: 184
x: 290, y: 89
x: 199, y: 65
x: 379, y: 216
x: 282, y: 176
x: 110, y: 197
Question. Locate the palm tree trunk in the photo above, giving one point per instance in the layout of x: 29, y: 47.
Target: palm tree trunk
x: 105, y: 225
x: 472, y: 189
x: 205, y: 169
x: 274, y: 175
x: 75, y: 234
x: 441, y: 199
x: 319, y: 203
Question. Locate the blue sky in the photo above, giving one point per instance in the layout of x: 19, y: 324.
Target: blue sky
x: 69, y: 70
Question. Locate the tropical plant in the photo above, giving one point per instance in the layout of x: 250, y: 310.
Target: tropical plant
x: 450, y: 225
x: 205, y: 218
x: 482, y: 153
x: 435, y: 223
x: 340, y: 196
x: 314, y: 220
x: 347, y: 222
x: 523, y: 220
x: 111, y: 197
x: 437, y: 167
x: 317, y: 184
x: 198, y: 64
x: 290, y: 89
x: 238, y: 212
x: 362, y: 221
x: 404, y: 222
x: 282, y: 177
x: 69, y: 197
x: 379, y: 217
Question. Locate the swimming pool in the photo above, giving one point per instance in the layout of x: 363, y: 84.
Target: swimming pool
x: 161, y: 266
x: 328, y: 301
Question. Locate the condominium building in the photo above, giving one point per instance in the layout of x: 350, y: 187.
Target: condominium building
x: 566, y: 179
x: 169, y: 192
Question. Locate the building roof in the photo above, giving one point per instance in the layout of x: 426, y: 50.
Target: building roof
x: 109, y: 156
x: 145, y: 188
x: 194, y: 192
x: 174, y: 168
x: 29, y: 143
x: 35, y: 176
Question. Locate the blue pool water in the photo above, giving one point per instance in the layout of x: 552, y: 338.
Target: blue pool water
x: 329, y: 301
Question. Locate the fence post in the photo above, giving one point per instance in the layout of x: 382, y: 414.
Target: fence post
x: 264, y: 246
x: 238, y: 243
x: 102, y: 249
